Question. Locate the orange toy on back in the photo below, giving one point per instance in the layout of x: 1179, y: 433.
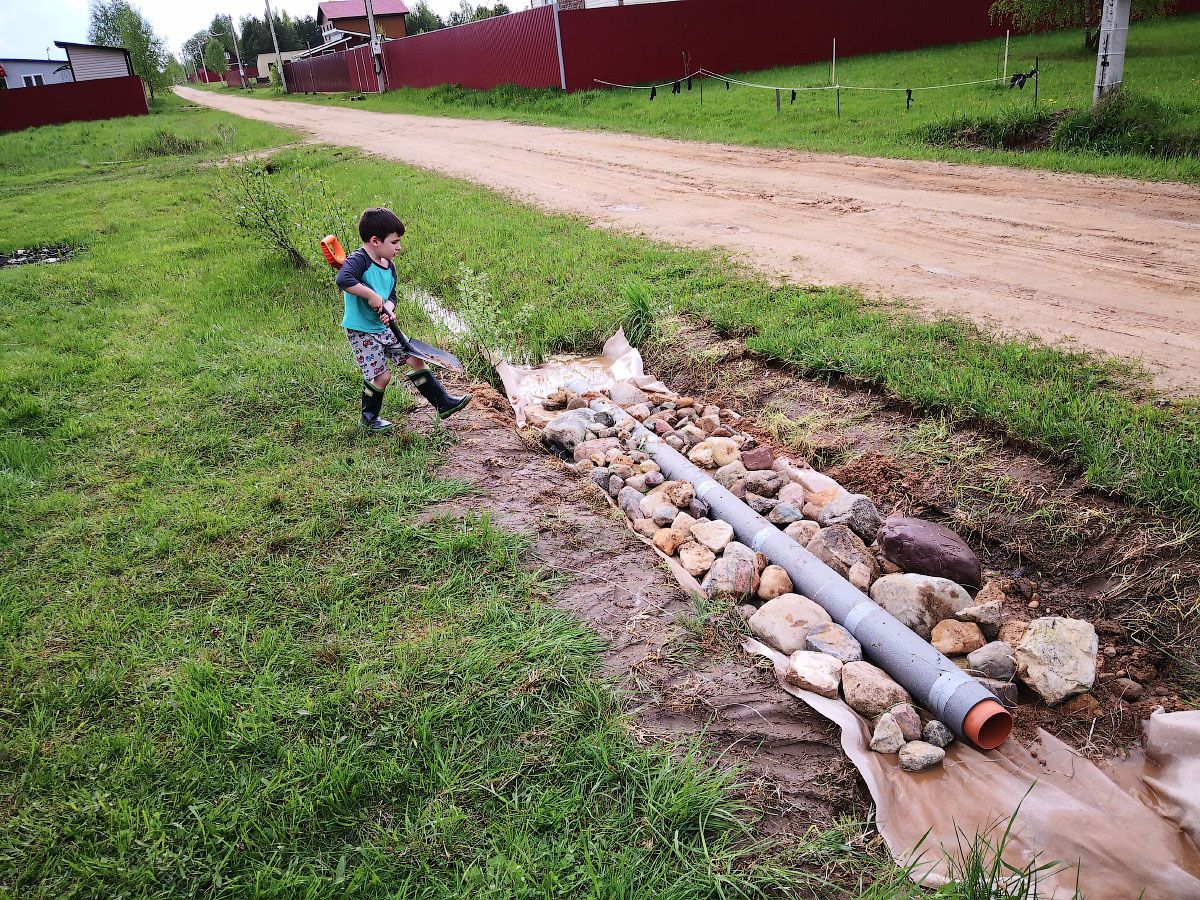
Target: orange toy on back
x: 332, y: 248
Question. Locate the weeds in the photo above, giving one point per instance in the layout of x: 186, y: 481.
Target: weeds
x: 1128, y: 122
x: 1016, y: 127
x: 168, y: 143
x: 640, y: 319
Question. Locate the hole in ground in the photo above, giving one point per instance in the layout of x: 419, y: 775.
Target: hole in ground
x: 34, y: 255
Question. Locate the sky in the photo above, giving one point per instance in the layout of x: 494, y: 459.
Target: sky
x: 28, y: 27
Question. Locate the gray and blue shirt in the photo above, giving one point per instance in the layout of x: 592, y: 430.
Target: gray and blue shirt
x: 359, y: 268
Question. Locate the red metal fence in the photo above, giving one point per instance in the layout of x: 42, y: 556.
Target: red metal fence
x: 75, y: 101
x: 519, y: 48
x: 650, y: 41
x: 234, y: 81
x: 646, y: 41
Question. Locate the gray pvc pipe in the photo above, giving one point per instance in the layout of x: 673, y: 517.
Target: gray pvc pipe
x: 932, y: 679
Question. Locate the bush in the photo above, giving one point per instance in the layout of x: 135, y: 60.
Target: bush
x: 1125, y: 122
x: 1015, y: 128
x: 167, y: 143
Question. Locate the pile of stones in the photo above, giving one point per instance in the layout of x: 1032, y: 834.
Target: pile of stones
x: 922, y: 573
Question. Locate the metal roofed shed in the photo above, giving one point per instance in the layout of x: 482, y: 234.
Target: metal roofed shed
x: 93, y: 62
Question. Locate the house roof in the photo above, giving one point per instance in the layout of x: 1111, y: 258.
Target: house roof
x: 348, y: 9
x: 29, y: 60
x: 66, y: 44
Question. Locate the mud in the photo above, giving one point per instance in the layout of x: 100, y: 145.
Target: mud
x: 682, y: 676
x: 1063, y: 548
x: 1111, y: 263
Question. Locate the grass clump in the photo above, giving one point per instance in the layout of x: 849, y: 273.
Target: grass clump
x: 1016, y: 127
x: 1128, y: 122
x: 168, y: 143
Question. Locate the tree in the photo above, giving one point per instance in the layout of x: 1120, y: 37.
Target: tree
x: 308, y: 32
x: 214, y: 57
x: 173, y: 71
x: 466, y: 12
x: 421, y: 18
x: 1033, y: 15
x: 118, y: 23
x: 221, y: 27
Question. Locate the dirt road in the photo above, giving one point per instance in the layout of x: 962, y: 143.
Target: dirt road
x: 1111, y: 264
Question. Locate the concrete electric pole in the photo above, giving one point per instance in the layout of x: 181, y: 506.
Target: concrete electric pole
x: 1110, y: 57
x: 275, y: 41
x: 376, y: 49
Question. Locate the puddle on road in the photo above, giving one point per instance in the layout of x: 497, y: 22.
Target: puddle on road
x: 624, y: 207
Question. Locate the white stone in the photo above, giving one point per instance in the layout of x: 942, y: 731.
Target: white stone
x: 784, y: 622
x: 814, y: 672
x: 713, y: 535
x: 774, y: 582
x: 1057, y: 658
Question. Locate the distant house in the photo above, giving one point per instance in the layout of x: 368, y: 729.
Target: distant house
x: 267, y: 62
x: 344, y: 24
x: 24, y: 73
x: 93, y: 62
x: 94, y: 82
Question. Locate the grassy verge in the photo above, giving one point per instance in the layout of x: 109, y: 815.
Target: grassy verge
x: 231, y: 663
x: 1162, y: 66
x: 552, y: 283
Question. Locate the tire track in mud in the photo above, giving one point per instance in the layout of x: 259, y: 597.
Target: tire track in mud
x: 1111, y: 263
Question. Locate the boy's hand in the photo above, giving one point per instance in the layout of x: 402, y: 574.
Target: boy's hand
x: 376, y: 303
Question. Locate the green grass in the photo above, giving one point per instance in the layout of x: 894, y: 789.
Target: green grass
x: 1163, y: 66
x: 67, y: 149
x: 231, y: 661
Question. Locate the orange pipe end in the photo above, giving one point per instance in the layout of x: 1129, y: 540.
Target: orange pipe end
x: 988, y: 724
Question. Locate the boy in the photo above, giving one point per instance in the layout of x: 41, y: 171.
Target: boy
x: 368, y: 281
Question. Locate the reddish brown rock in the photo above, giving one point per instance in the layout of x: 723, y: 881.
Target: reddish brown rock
x: 929, y: 549
x: 757, y: 459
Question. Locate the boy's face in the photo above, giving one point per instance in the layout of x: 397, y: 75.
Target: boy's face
x: 388, y: 247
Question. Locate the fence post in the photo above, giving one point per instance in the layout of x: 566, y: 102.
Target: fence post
x: 562, y: 68
x: 1006, y: 34
x: 833, y: 71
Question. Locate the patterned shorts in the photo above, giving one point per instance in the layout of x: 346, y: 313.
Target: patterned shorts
x: 373, y: 351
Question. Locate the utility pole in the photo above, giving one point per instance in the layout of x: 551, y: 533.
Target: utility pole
x: 376, y: 49
x: 275, y: 41
x: 1110, y: 56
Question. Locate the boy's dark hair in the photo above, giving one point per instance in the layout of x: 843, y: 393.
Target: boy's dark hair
x: 378, y: 221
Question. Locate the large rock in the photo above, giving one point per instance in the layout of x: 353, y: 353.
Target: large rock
x: 814, y: 482
x: 917, y: 756
x: 680, y: 493
x: 840, y: 548
x: 834, y: 640
x: 887, y: 737
x: 713, y: 535
x: 814, y: 672
x: 794, y: 494
x: 568, y: 430
x: 728, y: 474
x: 986, y: 615
x: 595, y: 449
x: 908, y: 719
x: 764, y: 506
x: 626, y: 393
x: 696, y: 559
x: 927, y: 548
x: 730, y: 579
x: 951, y: 637
x: 995, y: 660
x: 736, y: 550
x: 1006, y: 691
x: 1057, y: 658
x: 869, y: 690
x: 765, y: 483
x: 919, y: 601
x: 630, y: 503
x: 774, y: 582
x: 702, y: 455
x: 817, y: 502
x: 937, y: 734
x: 757, y: 459
x: 669, y: 540
x: 784, y: 622
x: 784, y: 514
x: 724, y: 451
x: 1012, y: 633
x: 802, y: 532
x: 854, y: 510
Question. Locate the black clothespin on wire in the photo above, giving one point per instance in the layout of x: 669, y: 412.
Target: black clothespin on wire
x: 653, y: 92
x: 726, y: 85
x: 907, y: 99
x: 675, y: 88
x: 793, y: 97
x: 689, y: 82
